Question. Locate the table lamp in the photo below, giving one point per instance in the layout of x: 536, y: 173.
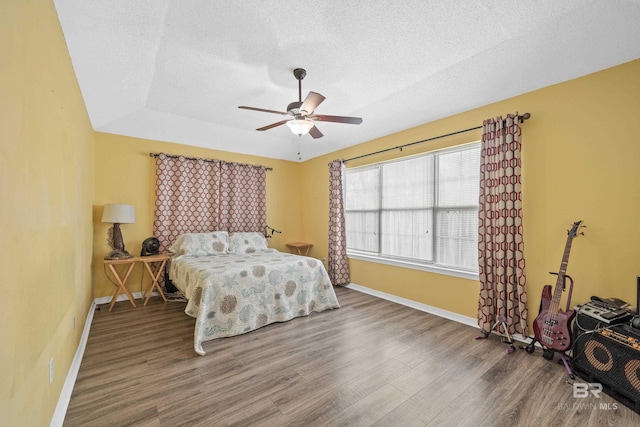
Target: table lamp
x: 117, y: 214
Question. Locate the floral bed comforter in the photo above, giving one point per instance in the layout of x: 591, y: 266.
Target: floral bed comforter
x: 231, y: 294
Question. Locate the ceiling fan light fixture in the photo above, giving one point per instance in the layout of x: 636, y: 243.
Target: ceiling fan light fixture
x: 299, y: 111
x: 300, y: 126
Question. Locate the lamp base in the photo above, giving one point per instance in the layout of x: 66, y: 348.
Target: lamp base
x: 118, y: 254
x: 114, y: 238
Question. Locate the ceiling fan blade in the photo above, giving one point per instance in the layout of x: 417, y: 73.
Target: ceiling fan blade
x: 315, y: 132
x: 262, y: 109
x: 272, y: 125
x: 310, y: 103
x: 336, y: 119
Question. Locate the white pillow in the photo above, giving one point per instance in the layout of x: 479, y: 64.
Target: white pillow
x: 201, y: 244
x: 246, y: 243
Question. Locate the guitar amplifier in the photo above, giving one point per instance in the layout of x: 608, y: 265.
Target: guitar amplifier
x: 611, y: 357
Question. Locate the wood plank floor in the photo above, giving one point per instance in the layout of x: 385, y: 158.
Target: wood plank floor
x: 370, y: 363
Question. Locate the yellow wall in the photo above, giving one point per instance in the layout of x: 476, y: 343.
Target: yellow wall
x: 581, y: 161
x: 580, y: 155
x: 125, y: 173
x: 46, y: 181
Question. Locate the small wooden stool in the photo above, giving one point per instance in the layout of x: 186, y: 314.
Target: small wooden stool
x: 299, y: 247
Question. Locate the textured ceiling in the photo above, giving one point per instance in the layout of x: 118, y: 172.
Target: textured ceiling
x: 176, y: 70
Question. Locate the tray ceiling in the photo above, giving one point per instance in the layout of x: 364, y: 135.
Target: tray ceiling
x: 176, y: 70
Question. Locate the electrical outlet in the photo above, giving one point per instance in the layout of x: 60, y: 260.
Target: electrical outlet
x: 51, y: 371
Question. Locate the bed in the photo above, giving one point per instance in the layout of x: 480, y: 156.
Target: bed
x: 234, y: 283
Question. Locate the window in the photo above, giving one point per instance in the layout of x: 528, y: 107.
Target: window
x: 419, y: 212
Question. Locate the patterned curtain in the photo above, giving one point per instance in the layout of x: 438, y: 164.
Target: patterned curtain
x: 337, y: 259
x: 198, y: 195
x: 243, y: 195
x: 503, y: 297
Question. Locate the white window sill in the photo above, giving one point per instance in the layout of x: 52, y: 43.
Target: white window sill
x: 413, y: 265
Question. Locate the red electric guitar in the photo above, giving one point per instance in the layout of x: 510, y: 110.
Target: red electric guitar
x: 552, y: 327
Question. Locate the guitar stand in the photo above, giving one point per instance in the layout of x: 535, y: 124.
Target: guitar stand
x: 506, y: 338
x: 547, y: 352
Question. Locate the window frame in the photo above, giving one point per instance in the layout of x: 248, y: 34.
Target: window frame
x: 416, y: 264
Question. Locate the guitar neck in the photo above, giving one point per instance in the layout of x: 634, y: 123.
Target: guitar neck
x: 557, y: 292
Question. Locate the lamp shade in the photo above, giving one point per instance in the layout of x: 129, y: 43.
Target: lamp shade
x: 119, y: 214
x: 300, y: 127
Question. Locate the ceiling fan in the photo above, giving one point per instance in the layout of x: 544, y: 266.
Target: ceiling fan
x: 301, y: 118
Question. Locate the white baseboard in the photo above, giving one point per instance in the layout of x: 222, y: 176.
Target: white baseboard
x: 72, y: 374
x: 465, y: 320
x: 70, y: 380
x: 123, y: 297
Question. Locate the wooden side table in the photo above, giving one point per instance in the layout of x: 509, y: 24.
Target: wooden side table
x: 121, y: 285
x: 121, y: 279
x: 300, y: 247
x: 148, y: 261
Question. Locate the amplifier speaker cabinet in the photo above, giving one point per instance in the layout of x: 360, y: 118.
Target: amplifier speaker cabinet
x: 611, y: 357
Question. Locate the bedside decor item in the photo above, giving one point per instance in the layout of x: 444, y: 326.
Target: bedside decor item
x: 270, y: 231
x: 117, y: 214
x: 150, y: 246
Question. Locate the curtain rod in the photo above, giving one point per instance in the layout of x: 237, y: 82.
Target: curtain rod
x: 521, y: 119
x: 173, y: 156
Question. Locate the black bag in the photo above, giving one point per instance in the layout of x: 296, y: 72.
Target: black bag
x: 169, y: 287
